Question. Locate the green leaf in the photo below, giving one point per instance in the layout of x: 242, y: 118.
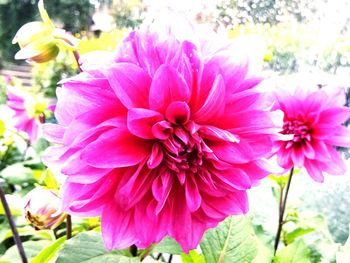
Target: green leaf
x: 298, y: 232
x: 232, y: 241
x: 168, y: 245
x: 48, y: 252
x: 192, y: 257
x: 280, y: 180
x: 31, y: 248
x: 88, y: 247
x: 48, y: 179
x: 296, y: 252
x: 265, y: 253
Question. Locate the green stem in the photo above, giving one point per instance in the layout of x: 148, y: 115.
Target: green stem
x: 146, y: 252
x: 282, y: 208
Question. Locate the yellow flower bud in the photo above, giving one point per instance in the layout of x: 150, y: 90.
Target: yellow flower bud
x: 42, y: 209
x: 268, y: 56
x: 40, y: 41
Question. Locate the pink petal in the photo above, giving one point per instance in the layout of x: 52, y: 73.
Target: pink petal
x: 314, y: 170
x: 340, y: 137
x: 117, y: 226
x: 213, y: 106
x: 214, y: 133
x: 161, y: 188
x: 297, y: 156
x: 115, y: 148
x: 167, y: 86
x: 156, y: 156
x: 334, y: 115
x: 235, y: 178
x: 193, y: 197
x: 130, y: 83
x: 232, y: 152
x: 178, y: 112
x: 53, y: 132
x: 140, y: 122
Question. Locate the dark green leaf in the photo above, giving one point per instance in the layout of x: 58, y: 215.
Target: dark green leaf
x: 296, y: 252
x: 88, y: 247
x: 232, y: 241
x: 168, y: 245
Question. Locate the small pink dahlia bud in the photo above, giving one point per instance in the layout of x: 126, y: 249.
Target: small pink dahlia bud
x: 42, y: 209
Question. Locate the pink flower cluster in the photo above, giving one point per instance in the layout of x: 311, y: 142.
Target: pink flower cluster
x: 162, y: 138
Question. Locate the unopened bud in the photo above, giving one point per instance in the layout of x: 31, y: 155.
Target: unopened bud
x: 40, y: 41
x: 42, y: 209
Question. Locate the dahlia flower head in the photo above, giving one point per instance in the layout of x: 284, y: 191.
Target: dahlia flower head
x: 27, y: 112
x: 161, y: 138
x: 312, y: 127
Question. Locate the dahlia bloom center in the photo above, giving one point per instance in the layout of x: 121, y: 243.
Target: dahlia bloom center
x: 179, y: 144
x: 298, y: 128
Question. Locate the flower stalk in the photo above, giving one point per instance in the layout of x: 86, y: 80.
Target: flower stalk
x: 282, y: 208
x: 12, y: 224
x: 69, y: 227
x: 133, y: 250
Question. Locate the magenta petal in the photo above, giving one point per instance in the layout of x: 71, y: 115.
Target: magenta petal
x: 214, y: 105
x: 80, y: 172
x: 308, y: 150
x: 167, y: 86
x: 156, y: 157
x: 140, y: 122
x: 178, y: 112
x: 340, y: 137
x: 314, y: 170
x: 135, y: 187
x: 115, y: 148
x: 235, y: 178
x: 214, y: 133
x: 117, y: 227
x: 193, y: 197
x: 334, y: 115
x: 232, y: 152
x: 161, y: 189
x: 162, y: 130
x: 53, y: 132
x: 130, y: 83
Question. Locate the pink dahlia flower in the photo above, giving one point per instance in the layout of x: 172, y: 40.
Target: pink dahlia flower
x: 162, y: 138
x: 313, y: 127
x: 28, y: 112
